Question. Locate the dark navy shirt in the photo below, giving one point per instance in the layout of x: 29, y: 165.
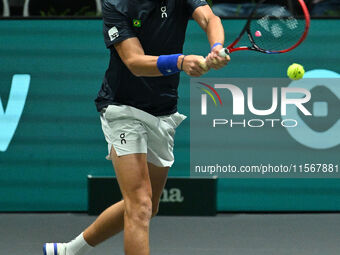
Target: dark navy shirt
x: 160, y: 26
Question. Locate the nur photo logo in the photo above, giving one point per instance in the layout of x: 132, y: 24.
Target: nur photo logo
x: 244, y: 102
x: 208, y: 91
x: 307, y: 108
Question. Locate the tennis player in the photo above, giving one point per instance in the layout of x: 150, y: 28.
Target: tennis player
x: 138, y: 106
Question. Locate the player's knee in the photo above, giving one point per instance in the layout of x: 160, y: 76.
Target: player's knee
x: 140, y: 211
x: 143, y: 211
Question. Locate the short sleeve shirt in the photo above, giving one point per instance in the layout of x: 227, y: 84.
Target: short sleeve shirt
x: 160, y: 27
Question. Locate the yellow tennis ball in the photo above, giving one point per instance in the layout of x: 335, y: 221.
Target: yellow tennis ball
x: 295, y: 71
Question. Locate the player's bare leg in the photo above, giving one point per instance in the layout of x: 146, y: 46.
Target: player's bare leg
x: 158, y: 176
x: 134, y: 182
x: 108, y: 223
x: 111, y: 221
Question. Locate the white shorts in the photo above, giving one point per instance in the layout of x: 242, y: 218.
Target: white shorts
x: 130, y: 130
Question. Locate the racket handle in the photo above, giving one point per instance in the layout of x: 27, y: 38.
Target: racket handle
x: 223, y: 52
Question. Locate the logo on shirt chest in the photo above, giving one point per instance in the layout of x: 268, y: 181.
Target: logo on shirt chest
x: 164, y: 12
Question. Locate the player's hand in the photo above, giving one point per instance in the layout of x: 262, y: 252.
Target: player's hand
x: 214, y: 61
x: 192, y: 65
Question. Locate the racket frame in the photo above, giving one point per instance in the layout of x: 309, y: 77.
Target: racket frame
x: 229, y: 49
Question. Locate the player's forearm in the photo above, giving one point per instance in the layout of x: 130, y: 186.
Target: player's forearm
x: 215, y: 31
x: 153, y: 66
x: 132, y: 54
x: 143, y: 65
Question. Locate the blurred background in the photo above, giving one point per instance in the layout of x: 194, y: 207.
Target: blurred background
x: 57, y: 141
x: 92, y: 8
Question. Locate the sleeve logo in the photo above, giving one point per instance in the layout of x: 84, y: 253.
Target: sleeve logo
x: 113, y: 33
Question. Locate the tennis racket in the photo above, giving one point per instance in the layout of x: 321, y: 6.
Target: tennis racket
x: 275, y: 32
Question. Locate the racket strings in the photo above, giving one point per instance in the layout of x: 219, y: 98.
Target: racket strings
x: 276, y: 31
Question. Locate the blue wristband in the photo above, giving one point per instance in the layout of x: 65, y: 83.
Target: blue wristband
x: 216, y: 45
x: 167, y: 64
